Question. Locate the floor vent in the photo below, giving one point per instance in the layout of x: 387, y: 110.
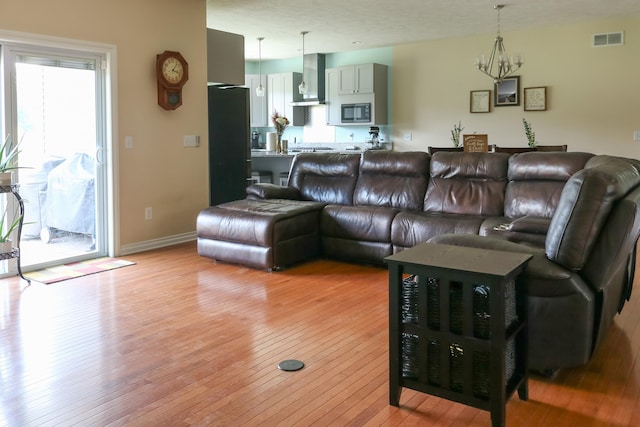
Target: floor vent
x: 608, y: 39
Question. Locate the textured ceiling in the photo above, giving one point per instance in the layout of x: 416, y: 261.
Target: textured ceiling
x: 336, y: 25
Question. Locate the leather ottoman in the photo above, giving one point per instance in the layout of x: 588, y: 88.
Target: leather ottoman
x: 264, y: 234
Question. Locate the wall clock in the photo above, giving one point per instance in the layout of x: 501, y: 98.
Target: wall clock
x: 172, y: 72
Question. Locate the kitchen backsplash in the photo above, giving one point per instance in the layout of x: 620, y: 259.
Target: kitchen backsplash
x: 317, y: 131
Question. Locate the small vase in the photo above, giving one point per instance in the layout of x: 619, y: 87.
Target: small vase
x: 6, y: 178
x: 6, y: 247
x: 279, y: 144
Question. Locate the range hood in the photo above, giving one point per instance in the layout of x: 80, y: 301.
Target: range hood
x: 313, y: 76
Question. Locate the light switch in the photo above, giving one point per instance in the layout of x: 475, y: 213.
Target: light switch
x: 191, y: 140
x: 128, y: 142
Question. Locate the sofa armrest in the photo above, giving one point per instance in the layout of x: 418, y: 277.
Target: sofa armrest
x: 272, y: 191
x: 530, y: 224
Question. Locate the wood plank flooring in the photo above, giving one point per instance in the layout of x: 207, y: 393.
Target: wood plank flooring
x: 179, y: 340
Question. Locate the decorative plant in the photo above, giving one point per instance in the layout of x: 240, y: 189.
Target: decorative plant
x: 8, y: 155
x: 531, y: 135
x: 455, y: 133
x: 279, y: 122
x: 6, y: 228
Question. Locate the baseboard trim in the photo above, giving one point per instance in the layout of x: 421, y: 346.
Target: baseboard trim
x: 157, y: 243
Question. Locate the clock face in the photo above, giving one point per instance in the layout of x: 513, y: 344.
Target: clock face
x: 172, y: 70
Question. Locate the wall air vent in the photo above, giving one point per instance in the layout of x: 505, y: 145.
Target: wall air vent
x: 608, y: 39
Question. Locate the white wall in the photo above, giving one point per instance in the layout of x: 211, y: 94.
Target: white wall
x: 593, y: 94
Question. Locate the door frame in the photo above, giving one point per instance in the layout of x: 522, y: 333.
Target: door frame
x: 109, y: 154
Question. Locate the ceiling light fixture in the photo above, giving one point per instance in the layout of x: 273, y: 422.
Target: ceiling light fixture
x: 505, y: 64
x: 302, y: 88
x: 260, y: 88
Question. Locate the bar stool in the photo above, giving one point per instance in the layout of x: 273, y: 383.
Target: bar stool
x: 284, y: 179
x: 262, y: 176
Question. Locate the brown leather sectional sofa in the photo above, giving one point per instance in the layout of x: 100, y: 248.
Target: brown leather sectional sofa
x: 578, y: 214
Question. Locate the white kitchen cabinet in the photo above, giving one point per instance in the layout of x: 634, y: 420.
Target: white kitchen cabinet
x: 332, y: 99
x: 257, y: 104
x: 282, y: 90
x: 357, y: 78
x: 357, y: 84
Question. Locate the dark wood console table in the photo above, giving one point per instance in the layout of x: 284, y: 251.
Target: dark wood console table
x: 457, y: 326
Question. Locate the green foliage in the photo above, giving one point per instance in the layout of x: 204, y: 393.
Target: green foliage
x: 455, y: 133
x: 531, y: 135
x: 9, y: 155
x: 6, y: 228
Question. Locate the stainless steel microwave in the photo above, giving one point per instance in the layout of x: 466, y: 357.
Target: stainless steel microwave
x: 355, y: 113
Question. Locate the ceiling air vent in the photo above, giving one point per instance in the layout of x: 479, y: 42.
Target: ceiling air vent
x: 608, y: 39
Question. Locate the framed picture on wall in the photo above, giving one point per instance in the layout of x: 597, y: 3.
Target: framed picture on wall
x: 535, y: 98
x: 507, y: 92
x: 479, y: 102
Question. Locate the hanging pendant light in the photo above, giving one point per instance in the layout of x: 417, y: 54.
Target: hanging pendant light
x: 302, y: 88
x: 260, y: 88
x: 505, y: 64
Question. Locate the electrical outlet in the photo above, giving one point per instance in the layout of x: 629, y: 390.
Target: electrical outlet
x: 148, y: 213
x: 408, y: 136
x: 636, y: 135
x: 191, y: 140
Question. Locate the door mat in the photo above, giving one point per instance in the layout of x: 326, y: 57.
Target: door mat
x: 76, y: 269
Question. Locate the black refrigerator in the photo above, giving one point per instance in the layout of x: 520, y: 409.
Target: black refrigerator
x: 229, y: 143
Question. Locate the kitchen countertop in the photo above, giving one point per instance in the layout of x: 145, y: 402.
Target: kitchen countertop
x: 332, y: 147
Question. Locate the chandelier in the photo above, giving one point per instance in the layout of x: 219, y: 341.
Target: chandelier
x: 260, y: 88
x: 504, y: 64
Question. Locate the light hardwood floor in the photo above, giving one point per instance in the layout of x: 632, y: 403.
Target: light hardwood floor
x: 179, y: 340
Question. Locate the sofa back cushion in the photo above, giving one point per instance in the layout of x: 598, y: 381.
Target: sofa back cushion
x: 392, y: 179
x: 467, y: 183
x: 325, y: 177
x: 585, y: 203
x: 536, y: 181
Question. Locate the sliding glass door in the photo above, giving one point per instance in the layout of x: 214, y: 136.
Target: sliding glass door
x: 56, y: 116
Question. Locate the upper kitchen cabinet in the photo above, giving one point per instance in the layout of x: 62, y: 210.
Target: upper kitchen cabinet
x: 225, y: 58
x: 258, y: 104
x: 364, y: 84
x: 361, y: 78
x: 282, y: 90
x: 332, y: 99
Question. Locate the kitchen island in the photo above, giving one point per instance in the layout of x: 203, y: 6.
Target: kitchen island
x: 277, y: 164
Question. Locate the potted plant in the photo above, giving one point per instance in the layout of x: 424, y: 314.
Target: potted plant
x: 8, y: 160
x: 455, y: 134
x: 529, y: 133
x: 280, y: 123
x: 6, y: 228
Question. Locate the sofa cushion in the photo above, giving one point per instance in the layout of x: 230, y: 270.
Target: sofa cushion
x: 559, y: 281
x: 392, y: 179
x: 467, y: 183
x: 527, y: 230
x: 536, y: 181
x: 324, y: 177
x: 252, y: 221
x: 584, y: 205
x: 412, y: 228
x: 362, y: 223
